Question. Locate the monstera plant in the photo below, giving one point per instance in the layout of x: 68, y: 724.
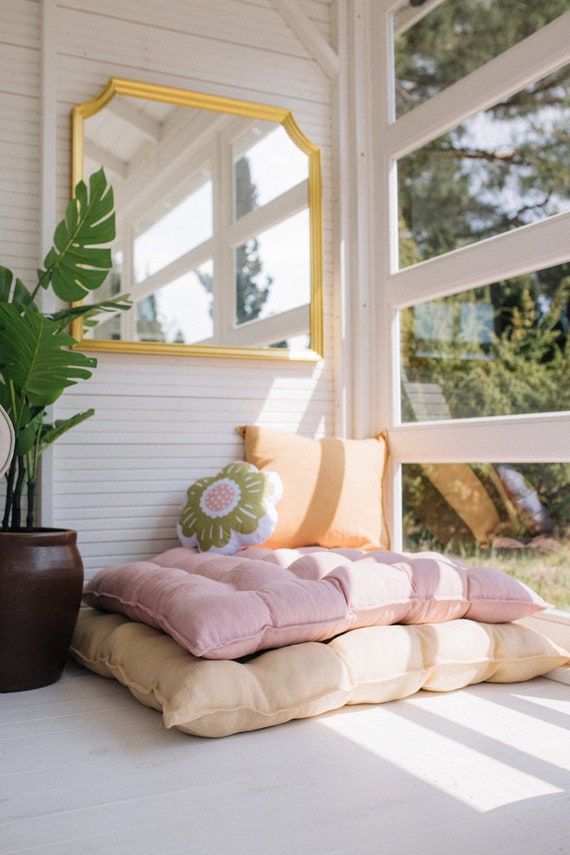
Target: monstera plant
x: 37, y: 359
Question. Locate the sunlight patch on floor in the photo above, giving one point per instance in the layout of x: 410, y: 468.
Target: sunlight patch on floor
x: 484, y: 772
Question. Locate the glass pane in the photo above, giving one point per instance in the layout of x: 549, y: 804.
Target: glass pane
x: 502, y: 349
x: 110, y: 328
x: 179, y: 226
x: 265, y: 166
x: 106, y: 326
x: 273, y: 270
x: 300, y: 342
x: 515, y: 517
x: 180, y: 312
x: 501, y: 169
x: 435, y: 47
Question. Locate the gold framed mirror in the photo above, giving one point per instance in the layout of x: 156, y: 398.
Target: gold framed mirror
x: 219, y: 223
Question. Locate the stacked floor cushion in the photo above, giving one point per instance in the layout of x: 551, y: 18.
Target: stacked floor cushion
x: 215, y: 698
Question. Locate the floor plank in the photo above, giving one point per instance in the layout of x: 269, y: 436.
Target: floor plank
x: 86, y: 769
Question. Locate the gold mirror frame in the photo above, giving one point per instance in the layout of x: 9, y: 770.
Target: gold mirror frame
x: 181, y: 97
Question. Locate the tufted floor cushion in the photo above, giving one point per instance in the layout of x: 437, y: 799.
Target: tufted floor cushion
x: 216, y: 698
x: 228, y: 606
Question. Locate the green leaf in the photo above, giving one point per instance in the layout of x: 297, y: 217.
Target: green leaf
x: 27, y: 432
x: 5, y: 396
x: 88, y: 311
x: 52, y: 432
x: 16, y: 293
x: 34, y: 355
x: 6, y: 277
x: 77, y: 263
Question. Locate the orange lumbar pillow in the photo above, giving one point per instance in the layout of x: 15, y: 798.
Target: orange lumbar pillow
x: 332, y: 488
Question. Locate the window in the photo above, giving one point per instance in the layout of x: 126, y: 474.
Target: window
x: 471, y: 142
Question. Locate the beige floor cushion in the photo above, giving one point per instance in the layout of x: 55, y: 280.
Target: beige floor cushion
x: 215, y: 698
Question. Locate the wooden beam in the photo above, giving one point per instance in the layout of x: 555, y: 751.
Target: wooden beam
x: 296, y: 18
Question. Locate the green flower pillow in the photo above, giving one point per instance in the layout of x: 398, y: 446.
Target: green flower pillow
x: 230, y: 510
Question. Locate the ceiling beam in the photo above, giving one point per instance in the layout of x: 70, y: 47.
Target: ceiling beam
x: 148, y: 126
x: 298, y: 20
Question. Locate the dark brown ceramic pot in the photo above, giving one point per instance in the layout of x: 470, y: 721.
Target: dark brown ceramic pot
x: 41, y: 580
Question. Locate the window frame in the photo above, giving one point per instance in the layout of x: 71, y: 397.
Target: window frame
x: 506, y: 439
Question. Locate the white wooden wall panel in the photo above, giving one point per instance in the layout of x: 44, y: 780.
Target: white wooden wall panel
x: 160, y: 422
x: 202, y: 22
x: 20, y: 87
x: 156, y: 429
x: 178, y: 57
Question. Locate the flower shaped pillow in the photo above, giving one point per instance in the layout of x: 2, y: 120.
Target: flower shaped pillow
x: 230, y: 510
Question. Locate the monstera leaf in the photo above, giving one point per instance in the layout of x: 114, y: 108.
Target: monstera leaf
x: 35, y: 358
x: 90, y: 312
x: 16, y: 293
x: 51, y: 432
x: 78, y: 263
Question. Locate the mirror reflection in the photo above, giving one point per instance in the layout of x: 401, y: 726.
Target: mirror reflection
x: 218, y: 223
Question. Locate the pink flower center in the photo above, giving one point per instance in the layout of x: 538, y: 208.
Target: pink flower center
x: 220, y: 497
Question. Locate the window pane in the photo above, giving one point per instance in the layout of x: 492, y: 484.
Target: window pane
x: 265, y: 166
x: 163, y: 237
x: 107, y: 326
x: 501, y: 169
x: 502, y: 349
x: 180, y: 312
x: 515, y: 517
x: 436, y: 47
x: 300, y: 342
x: 110, y: 328
x: 273, y: 270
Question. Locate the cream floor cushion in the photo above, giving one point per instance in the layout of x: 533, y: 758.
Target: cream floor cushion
x: 215, y: 698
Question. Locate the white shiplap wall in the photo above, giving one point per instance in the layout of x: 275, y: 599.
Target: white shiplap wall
x: 160, y: 421
x: 20, y: 113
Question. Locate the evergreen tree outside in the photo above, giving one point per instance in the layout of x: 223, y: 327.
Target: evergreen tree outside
x: 455, y: 39
x: 252, y: 291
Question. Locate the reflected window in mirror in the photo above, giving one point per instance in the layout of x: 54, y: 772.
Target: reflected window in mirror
x: 266, y: 165
x: 172, y: 229
x: 218, y: 224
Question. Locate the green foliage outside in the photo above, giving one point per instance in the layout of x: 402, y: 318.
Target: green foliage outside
x: 498, y: 172
x: 455, y: 39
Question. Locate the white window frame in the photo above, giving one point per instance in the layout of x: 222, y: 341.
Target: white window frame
x: 378, y: 142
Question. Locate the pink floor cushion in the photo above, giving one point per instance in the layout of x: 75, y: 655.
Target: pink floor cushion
x: 229, y: 606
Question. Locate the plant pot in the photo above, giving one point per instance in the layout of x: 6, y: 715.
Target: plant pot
x: 41, y: 581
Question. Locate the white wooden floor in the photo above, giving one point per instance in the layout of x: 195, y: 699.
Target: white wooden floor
x: 86, y: 769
